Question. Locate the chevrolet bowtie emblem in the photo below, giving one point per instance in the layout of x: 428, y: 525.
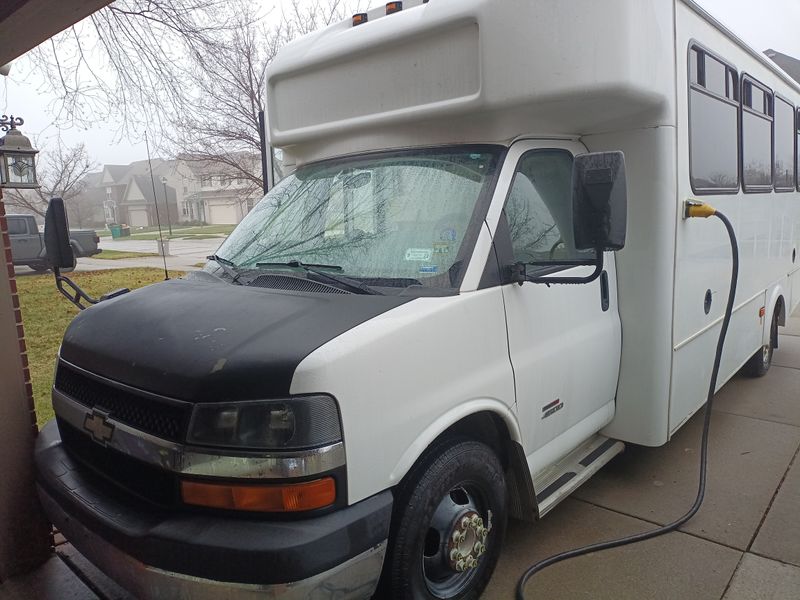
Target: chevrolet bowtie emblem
x: 96, y: 423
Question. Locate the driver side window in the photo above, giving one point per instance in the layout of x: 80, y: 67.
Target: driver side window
x: 539, y: 210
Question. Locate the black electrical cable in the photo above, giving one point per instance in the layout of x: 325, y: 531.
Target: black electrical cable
x: 646, y: 535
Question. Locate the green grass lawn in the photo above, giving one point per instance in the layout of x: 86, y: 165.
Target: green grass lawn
x: 197, y: 233
x: 119, y: 254
x: 47, y: 313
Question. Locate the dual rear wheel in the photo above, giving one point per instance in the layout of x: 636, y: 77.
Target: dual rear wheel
x: 760, y: 362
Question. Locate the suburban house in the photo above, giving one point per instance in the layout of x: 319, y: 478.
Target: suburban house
x: 221, y: 194
x: 196, y: 191
x: 131, y: 196
x: 788, y: 63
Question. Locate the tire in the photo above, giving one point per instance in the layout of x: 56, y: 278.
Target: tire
x: 760, y: 362
x: 452, y: 484
x: 39, y: 268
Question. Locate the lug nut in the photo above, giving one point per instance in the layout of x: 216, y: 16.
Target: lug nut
x: 460, y: 566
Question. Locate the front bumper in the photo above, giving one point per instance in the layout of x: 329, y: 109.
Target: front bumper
x: 161, y: 554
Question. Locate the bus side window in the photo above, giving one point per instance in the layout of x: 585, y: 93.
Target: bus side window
x: 757, y: 118
x: 713, y: 123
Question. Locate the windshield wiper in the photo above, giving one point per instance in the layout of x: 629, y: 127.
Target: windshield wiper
x: 352, y: 284
x: 227, y: 266
x: 298, y: 264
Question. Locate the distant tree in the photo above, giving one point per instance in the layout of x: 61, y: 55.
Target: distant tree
x: 61, y: 173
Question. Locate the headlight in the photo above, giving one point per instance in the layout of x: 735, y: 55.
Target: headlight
x: 294, y: 423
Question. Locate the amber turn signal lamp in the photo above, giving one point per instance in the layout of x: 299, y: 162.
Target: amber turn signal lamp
x: 393, y: 7
x: 360, y: 18
x: 288, y: 497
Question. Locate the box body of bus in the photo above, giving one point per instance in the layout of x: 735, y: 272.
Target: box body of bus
x: 433, y: 152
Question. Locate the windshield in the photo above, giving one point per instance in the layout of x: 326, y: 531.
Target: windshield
x: 394, y: 219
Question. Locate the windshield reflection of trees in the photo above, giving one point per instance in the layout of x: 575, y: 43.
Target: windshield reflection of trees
x: 365, y: 218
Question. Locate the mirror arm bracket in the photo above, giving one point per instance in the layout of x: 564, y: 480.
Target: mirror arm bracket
x: 548, y: 280
x: 75, y: 294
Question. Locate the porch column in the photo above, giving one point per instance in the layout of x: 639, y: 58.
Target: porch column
x: 24, y: 531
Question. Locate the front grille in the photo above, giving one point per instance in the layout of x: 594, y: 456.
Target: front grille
x: 145, y: 481
x: 161, y: 419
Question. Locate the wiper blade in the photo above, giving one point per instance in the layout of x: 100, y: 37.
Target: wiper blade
x: 352, y: 284
x: 227, y: 266
x: 298, y: 264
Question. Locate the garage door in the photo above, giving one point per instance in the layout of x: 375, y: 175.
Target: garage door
x: 222, y: 214
x: 138, y: 218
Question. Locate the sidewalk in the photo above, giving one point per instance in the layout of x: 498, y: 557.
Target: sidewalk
x: 744, y: 544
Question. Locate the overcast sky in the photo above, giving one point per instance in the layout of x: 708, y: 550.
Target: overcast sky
x: 762, y: 23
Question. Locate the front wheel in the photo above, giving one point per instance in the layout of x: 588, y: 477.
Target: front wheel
x: 449, y: 523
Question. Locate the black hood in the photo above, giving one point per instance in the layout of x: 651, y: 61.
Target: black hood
x: 209, y: 342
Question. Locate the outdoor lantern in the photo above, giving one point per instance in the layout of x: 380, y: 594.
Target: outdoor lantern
x: 17, y: 164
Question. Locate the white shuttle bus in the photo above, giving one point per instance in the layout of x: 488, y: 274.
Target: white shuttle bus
x: 432, y: 324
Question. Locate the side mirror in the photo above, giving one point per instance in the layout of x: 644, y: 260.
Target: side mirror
x: 599, y: 201
x: 58, y: 250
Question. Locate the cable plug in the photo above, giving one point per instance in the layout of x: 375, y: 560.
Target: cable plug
x: 695, y: 208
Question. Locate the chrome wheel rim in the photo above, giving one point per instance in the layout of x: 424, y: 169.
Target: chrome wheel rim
x: 456, y: 539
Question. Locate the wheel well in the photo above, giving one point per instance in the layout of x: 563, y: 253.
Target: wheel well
x: 484, y: 427
x: 780, y: 310
x: 489, y: 428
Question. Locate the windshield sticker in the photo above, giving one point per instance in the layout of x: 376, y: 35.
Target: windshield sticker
x: 441, y: 248
x: 448, y: 235
x: 428, y: 269
x: 419, y: 254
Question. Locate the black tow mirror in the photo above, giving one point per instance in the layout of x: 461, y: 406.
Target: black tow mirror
x: 599, y: 201
x: 599, y: 216
x: 59, y: 255
x: 58, y: 250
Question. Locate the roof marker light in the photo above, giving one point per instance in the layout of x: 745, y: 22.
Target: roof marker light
x: 360, y: 18
x: 393, y: 7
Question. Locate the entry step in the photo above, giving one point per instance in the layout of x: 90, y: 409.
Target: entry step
x: 559, y: 480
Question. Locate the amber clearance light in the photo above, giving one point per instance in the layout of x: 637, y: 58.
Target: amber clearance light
x: 290, y: 497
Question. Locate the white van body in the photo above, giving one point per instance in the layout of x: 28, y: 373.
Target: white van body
x: 580, y: 76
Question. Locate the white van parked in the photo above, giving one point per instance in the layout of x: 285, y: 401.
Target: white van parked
x: 432, y: 324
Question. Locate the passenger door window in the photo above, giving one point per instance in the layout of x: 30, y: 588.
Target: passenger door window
x: 539, y: 212
x: 17, y: 227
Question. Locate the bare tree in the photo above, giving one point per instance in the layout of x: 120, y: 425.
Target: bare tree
x: 222, y: 125
x: 61, y: 173
x: 129, y: 60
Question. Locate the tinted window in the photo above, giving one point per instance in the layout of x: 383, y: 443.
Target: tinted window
x: 17, y: 226
x: 714, y: 141
x: 539, y: 209
x: 756, y: 137
x: 713, y: 124
x: 784, y: 145
x: 694, y: 57
x: 715, y: 76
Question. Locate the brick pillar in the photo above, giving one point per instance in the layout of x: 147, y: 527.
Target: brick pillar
x: 24, y: 531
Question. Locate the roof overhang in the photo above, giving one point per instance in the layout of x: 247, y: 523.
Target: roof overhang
x: 24, y: 24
